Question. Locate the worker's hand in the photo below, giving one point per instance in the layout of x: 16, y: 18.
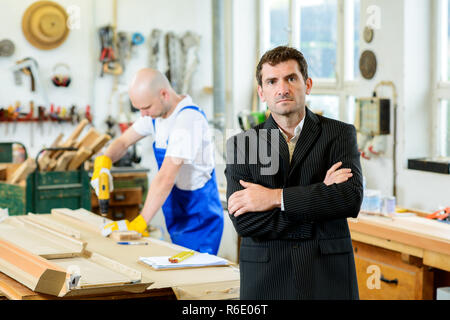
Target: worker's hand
x: 254, y: 198
x: 138, y: 224
x: 337, y: 176
x: 102, y: 164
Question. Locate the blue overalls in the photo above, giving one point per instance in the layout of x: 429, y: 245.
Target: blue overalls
x: 194, y: 218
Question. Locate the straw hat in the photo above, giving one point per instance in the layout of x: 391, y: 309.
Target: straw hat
x: 44, y: 24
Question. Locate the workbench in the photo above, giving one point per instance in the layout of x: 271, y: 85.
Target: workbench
x: 197, y: 283
x: 411, y: 253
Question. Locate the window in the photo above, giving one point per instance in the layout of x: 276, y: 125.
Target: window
x: 444, y: 126
x: 327, y: 32
x: 318, y: 36
x: 279, y: 23
x: 355, y: 42
x: 326, y: 105
x: 442, y: 94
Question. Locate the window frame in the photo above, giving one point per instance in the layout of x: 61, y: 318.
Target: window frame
x: 343, y: 86
x: 440, y: 73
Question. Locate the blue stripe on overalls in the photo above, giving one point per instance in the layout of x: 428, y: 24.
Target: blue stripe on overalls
x: 194, y: 218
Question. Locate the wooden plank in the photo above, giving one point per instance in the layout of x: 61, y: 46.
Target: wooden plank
x: 82, y: 218
x: 88, y: 139
x: 23, y: 171
x: 53, y: 225
x: 212, y: 291
x: 61, y: 238
x: 125, y: 235
x: 34, y: 272
x: 418, y: 225
x: 133, y: 275
x: 3, y: 170
x: 39, y: 240
x: 52, y: 165
x: 44, y: 160
x: 98, y: 271
x: 79, y: 128
x: 71, y: 141
x: 99, y: 143
x: 82, y: 155
x: 437, y: 260
x: 92, y: 274
x: 14, y: 290
x: 387, y: 244
x: 10, y: 169
x: 420, y: 237
x: 64, y: 160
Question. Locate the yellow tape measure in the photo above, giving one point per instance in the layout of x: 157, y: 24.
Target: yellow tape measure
x: 181, y: 256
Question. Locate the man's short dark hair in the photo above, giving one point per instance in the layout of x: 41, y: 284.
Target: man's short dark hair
x: 282, y: 54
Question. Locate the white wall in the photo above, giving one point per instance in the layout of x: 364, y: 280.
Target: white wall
x: 81, y: 51
x: 74, y: 52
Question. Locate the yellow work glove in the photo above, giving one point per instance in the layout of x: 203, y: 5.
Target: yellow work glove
x: 138, y: 224
x: 102, y: 164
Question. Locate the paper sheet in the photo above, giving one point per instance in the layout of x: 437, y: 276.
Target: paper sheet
x: 197, y: 260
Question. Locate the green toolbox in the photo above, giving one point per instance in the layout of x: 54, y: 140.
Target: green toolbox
x: 6, y: 151
x: 44, y: 191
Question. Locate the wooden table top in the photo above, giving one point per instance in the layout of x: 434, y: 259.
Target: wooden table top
x: 425, y: 238
x: 195, y: 283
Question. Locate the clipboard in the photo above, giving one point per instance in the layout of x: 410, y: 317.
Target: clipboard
x: 200, y: 260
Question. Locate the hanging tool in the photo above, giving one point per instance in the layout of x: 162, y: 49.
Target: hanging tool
x: 30, y: 67
x: 110, y: 122
x: 15, y: 115
x: 137, y: 39
x: 123, y: 48
x: 28, y: 72
x: 112, y: 67
x: 107, y: 55
x: 88, y: 114
x: 41, y: 118
x: 29, y: 116
x: 154, y: 43
x: 190, y: 43
x: 74, y: 116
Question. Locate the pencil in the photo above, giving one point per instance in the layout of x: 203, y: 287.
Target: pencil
x: 181, y: 256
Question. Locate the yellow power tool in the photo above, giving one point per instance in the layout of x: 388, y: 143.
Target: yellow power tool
x: 103, y: 193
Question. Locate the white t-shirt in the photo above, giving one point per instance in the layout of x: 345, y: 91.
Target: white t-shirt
x: 189, y: 138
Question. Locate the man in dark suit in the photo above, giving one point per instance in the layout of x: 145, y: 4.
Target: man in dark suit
x: 286, y: 197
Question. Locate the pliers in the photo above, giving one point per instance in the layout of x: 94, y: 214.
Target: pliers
x: 440, y: 214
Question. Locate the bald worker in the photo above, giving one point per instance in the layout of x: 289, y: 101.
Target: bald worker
x: 185, y: 185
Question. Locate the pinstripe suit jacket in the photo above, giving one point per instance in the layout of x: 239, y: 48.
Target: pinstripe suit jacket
x: 305, y: 251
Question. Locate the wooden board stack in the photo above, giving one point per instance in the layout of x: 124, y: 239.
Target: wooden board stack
x: 61, y: 160
x: 50, y: 262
